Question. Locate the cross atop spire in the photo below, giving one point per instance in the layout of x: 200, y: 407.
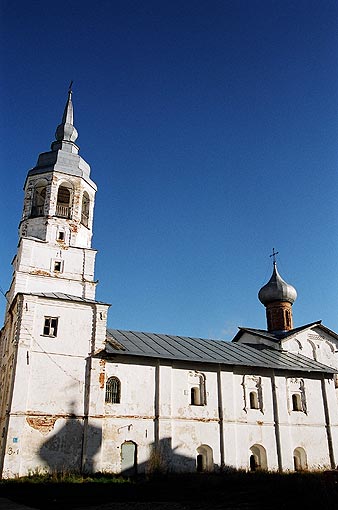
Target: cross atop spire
x: 66, y: 133
x: 273, y: 255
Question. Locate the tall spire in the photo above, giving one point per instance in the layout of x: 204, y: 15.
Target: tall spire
x: 66, y: 131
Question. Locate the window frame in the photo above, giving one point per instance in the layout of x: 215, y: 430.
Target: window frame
x: 50, y: 329
x: 111, y: 396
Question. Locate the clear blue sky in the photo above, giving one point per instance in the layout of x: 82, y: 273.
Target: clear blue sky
x: 211, y: 128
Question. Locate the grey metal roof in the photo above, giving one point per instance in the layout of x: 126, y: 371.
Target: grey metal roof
x: 281, y: 335
x: 153, y: 345
x: 61, y: 295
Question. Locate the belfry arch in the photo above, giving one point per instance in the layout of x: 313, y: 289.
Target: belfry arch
x: 39, y: 198
x: 64, y: 200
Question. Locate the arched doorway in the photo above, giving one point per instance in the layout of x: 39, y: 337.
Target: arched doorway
x: 299, y: 459
x: 128, y: 458
x: 204, y: 459
x: 258, y: 458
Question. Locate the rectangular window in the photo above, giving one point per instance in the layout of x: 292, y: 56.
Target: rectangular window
x: 57, y: 266
x: 50, y: 327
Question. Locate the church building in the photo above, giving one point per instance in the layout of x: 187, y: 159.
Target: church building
x: 78, y: 396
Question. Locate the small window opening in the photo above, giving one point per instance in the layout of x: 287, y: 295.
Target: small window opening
x: 198, y: 393
x: 253, y: 400
x: 50, y: 326
x: 253, y: 463
x: 57, y: 266
x: 195, y: 397
x: 296, y: 463
x: 113, y: 390
x: 296, y: 402
x: 200, y: 463
x: 61, y: 236
x: 335, y: 381
x: 288, y: 318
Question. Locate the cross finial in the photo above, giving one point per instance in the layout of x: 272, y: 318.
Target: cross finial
x: 70, y: 86
x: 273, y: 255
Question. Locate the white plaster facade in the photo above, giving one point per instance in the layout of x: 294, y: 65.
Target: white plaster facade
x: 169, y: 414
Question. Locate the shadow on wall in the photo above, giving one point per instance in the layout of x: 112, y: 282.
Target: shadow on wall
x: 162, y: 459
x: 73, y: 447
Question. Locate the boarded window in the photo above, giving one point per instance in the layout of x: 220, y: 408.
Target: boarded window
x: 113, y: 390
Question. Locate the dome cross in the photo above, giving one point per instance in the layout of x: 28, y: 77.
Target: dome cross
x: 273, y: 254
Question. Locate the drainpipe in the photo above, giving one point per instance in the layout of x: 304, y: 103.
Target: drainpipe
x: 157, y: 405
x: 220, y: 416
x: 276, y: 422
x: 86, y: 395
x: 327, y: 423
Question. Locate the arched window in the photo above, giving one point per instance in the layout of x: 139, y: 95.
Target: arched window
x: 258, y: 459
x: 204, y: 459
x: 253, y: 400
x: 39, y: 197
x: 296, y: 402
x: 299, y: 459
x: 85, y: 209
x: 113, y: 390
x: 63, y: 205
x: 198, y: 393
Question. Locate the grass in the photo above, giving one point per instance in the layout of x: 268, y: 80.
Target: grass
x: 65, y: 477
x: 236, y: 489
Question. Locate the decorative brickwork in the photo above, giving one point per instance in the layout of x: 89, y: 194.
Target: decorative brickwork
x: 279, y: 316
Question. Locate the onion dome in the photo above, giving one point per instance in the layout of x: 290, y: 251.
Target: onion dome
x: 277, y: 290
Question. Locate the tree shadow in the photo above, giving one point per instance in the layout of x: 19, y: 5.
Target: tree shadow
x: 162, y: 459
x: 73, y: 447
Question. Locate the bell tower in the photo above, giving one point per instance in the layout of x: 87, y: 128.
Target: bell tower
x: 55, y: 232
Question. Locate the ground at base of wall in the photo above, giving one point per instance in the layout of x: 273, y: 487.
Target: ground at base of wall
x: 232, y: 491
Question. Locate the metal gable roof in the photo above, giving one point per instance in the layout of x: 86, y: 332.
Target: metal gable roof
x: 154, y: 345
x: 62, y: 296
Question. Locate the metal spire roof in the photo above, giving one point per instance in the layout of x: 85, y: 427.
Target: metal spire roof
x: 64, y: 154
x: 66, y: 132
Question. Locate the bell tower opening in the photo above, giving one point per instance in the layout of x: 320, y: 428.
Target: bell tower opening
x: 55, y: 253
x: 63, y: 204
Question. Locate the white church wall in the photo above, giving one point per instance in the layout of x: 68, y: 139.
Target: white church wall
x: 316, y: 344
